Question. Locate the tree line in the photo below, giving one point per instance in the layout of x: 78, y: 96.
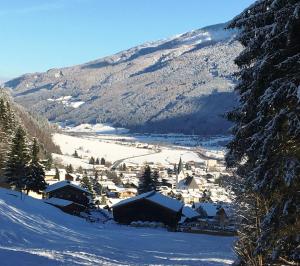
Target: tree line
x: 21, y: 168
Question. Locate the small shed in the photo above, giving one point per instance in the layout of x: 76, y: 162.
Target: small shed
x: 150, y: 206
x: 66, y: 205
x: 68, y: 191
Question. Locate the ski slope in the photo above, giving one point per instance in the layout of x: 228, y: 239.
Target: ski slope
x: 34, y: 233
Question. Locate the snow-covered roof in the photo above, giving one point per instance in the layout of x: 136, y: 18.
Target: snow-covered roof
x: 210, y: 208
x: 165, y: 201
x: 64, y: 184
x: 51, y: 172
x: 188, y: 212
x: 113, y: 201
x: 141, y: 196
x: 154, y: 197
x: 58, y: 202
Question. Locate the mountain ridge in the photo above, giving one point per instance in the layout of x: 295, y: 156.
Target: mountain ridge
x: 172, y: 85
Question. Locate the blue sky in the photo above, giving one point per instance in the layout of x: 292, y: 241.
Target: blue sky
x: 40, y: 34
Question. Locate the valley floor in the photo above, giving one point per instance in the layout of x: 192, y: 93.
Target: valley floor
x: 34, y: 233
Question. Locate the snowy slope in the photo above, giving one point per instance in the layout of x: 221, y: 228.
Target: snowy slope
x: 35, y: 233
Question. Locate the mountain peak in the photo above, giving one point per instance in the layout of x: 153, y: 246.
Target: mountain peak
x: 169, y: 85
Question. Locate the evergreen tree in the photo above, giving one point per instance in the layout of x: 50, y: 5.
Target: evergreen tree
x: 155, y: 180
x: 102, y: 161
x: 3, y: 135
x: 97, y: 162
x: 187, y: 166
x: 175, y: 169
x: 17, y: 159
x: 147, y: 183
x: 97, y: 188
x: 75, y: 154
x: 69, y: 169
x: 122, y: 167
x: 56, y: 173
x: 266, y: 145
x: 96, y: 175
x: 92, y: 160
x: 86, y: 182
x: 7, y: 126
x: 116, y: 179
x: 34, y: 172
x: 49, y: 162
x: 80, y: 170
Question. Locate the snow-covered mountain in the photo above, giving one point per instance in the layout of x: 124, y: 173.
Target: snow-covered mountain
x: 181, y: 84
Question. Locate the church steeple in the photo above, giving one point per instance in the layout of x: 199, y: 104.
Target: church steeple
x: 180, y: 166
x: 179, y: 172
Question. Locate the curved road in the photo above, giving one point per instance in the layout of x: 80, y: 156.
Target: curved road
x: 118, y: 162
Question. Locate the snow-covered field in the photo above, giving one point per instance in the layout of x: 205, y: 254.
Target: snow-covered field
x: 96, y: 128
x: 107, y: 131
x: 113, y: 150
x: 34, y: 233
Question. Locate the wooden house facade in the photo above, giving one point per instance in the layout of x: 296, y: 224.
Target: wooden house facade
x: 65, y: 190
x: 151, y: 207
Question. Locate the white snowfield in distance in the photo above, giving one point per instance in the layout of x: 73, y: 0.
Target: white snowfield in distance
x: 112, y: 151
x: 96, y: 128
x: 66, y: 101
x: 35, y: 233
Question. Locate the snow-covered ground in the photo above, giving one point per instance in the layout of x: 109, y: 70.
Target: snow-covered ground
x: 35, y: 233
x: 67, y: 101
x: 96, y: 128
x: 113, y: 150
x: 108, y: 132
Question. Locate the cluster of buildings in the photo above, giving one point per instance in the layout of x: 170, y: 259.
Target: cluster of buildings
x: 188, y: 195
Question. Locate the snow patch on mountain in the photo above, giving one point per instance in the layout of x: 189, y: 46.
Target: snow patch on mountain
x: 95, y: 128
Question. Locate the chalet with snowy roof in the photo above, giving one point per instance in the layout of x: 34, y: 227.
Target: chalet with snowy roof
x: 188, y: 215
x: 148, y: 207
x: 51, y: 175
x: 127, y: 193
x: 66, y: 190
x: 189, y: 183
x: 206, y: 209
x: 220, y: 214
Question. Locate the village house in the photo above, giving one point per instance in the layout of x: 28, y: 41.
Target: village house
x: 188, y: 215
x: 127, y: 193
x: 148, y: 207
x: 189, y: 197
x: 189, y: 183
x: 51, y: 175
x: 213, y: 213
x: 68, y: 191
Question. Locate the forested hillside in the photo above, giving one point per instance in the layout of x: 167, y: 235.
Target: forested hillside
x: 13, y: 116
x: 183, y: 84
